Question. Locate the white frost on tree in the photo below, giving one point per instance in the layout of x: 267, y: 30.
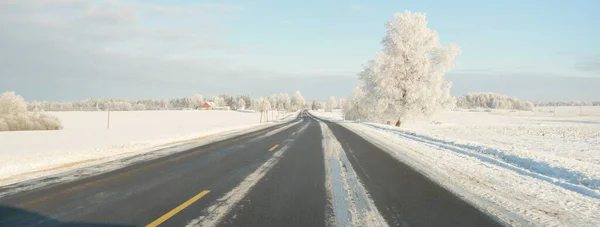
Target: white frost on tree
x: 273, y: 100
x: 406, y: 78
x: 261, y: 104
x: 283, y: 102
x: 11, y: 103
x: 241, y: 104
x: 287, y: 102
x: 196, y: 101
x: 298, y: 101
x: 331, y: 104
x: 492, y: 101
x: 355, y: 108
x: 219, y: 101
x: 14, y: 115
x: 341, y: 103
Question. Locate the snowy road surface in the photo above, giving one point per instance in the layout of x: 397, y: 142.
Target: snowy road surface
x: 307, y: 172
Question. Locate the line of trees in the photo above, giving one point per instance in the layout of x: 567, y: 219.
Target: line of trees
x: 147, y: 104
x: 280, y: 101
x: 566, y: 103
x: 492, y: 101
x: 329, y: 105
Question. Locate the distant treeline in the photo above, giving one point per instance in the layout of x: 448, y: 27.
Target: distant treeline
x: 566, y: 103
x: 281, y: 101
x: 193, y: 102
x: 492, y: 101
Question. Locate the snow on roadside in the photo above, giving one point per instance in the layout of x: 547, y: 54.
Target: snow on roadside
x: 523, y: 167
x: 85, y: 139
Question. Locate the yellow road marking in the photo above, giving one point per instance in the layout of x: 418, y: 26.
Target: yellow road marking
x: 177, y: 209
x: 274, y: 147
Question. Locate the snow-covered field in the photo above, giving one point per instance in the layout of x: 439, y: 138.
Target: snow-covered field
x: 539, y: 168
x: 86, y: 140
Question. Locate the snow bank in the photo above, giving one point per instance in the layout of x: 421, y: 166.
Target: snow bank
x: 85, y: 137
x: 524, y: 167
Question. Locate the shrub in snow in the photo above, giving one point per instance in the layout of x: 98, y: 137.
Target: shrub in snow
x: 492, y: 101
x: 406, y: 78
x: 14, y: 116
x: 11, y: 103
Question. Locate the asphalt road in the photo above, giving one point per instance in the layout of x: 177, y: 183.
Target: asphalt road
x: 271, y: 177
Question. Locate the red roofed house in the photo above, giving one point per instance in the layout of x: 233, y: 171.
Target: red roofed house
x: 207, y: 106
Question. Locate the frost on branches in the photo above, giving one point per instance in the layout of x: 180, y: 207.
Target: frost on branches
x: 406, y: 78
x: 492, y: 101
x: 15, y: 117
x: 331, y: 104
x: 298, y: 101
x: 354, y: 108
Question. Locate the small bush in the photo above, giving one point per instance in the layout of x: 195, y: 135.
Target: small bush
x: 14, y: 116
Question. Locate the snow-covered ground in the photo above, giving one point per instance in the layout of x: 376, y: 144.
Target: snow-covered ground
x: 85, y: 138
x: 539, y: 168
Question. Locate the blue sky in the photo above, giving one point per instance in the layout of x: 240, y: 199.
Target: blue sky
x: 75, y: 49
x: 541, y: 36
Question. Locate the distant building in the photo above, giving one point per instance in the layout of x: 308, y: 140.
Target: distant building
x: 212, y: 106
x: 207, y: 106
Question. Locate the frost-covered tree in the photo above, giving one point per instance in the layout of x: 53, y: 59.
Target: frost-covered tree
x: 316, y: 105
x: 356, y: 108
x: 406, y: 78
x: 219, y: 101
x: 261, y: 104
x: 287, y: 102
x: 273, y: 100
x: 15, y: 117
x: 283, y: 101
x: 331, y: 104
x: 11, y: 103
x: 139, y: 106
x: 241, y: 104
x: 298, y: 101
x: 341, y: 103
x: 196, y: 101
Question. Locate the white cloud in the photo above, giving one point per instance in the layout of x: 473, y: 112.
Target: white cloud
x: 588, y: 64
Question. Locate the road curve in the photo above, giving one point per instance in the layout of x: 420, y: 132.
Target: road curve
x: 277, y: 176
